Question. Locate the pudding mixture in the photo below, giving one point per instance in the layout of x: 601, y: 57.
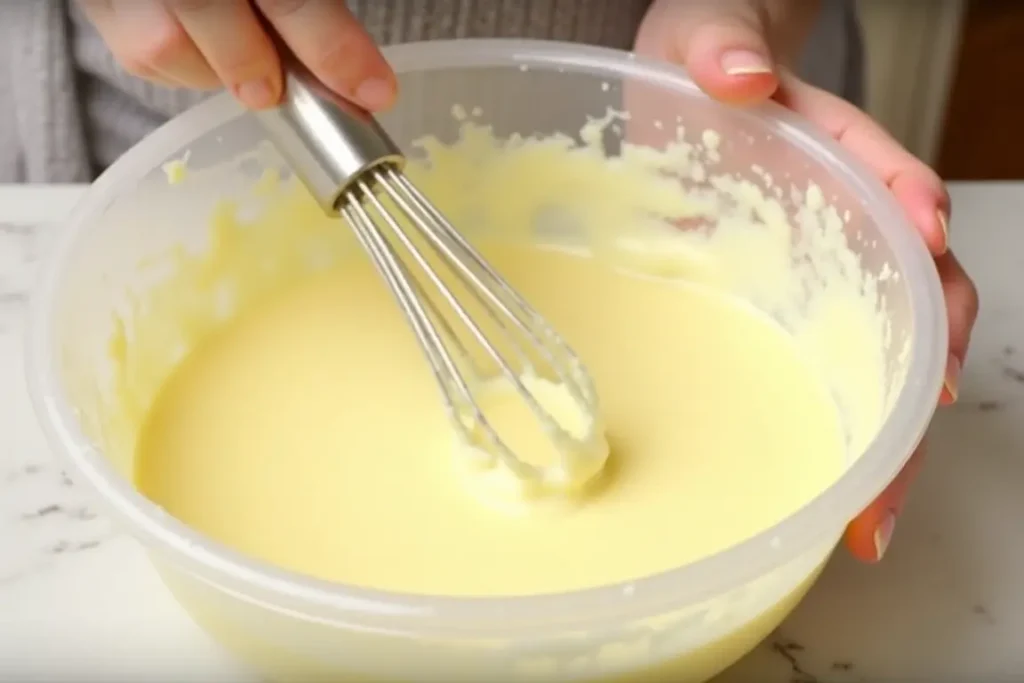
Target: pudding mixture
x: 310, y: 433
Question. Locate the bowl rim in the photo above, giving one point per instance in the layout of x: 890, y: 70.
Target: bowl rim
x: 816, y: 524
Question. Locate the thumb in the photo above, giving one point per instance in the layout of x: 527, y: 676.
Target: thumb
x: 724, y: 46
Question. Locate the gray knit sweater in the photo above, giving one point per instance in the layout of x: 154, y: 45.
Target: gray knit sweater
x: 67, y: 110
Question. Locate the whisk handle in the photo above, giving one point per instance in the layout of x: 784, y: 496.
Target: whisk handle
x: 328, y: 141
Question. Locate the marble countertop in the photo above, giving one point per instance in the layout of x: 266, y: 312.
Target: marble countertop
x: 78, y: 601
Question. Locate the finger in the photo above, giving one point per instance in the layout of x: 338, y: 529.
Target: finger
x: 232, y: 40
x: 868, y: 536
x: 148, y: 42
x: 722, y: 44
x: 918, y: 188
x: 727, y: 53
x: 328, y: 39
x: 962, y: 310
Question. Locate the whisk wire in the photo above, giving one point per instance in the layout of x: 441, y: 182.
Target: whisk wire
x: 414, y: 304
x: 421, y: 260
x: 467, y: 278
x: 458, y: 254
x: 397, y: 278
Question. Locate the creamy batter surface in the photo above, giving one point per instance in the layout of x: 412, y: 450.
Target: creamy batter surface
x: 309, y: 433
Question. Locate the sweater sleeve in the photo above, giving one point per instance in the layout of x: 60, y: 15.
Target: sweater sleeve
x: 43, y: 140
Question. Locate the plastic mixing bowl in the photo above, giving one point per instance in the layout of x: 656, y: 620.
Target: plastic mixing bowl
x: 681, y: 625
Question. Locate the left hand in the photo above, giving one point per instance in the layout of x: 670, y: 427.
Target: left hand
x: 738, y: 52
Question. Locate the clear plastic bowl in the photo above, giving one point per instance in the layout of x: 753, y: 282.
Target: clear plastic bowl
x: 686, y: 624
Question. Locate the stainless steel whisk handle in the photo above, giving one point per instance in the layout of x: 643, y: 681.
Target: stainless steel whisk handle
x: 328, y: 142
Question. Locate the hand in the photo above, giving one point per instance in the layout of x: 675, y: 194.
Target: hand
x: 738, y: 52
x: 212, y: 43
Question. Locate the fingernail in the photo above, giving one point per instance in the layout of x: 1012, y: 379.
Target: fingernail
x: 883, y: 535
x: 952, y: 382
x: 257, y: 94
x: 375, y: 94
x: 944, y: 224
x: 745, y: 63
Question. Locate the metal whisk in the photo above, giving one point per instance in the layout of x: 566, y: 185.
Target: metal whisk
x: 354, y: 170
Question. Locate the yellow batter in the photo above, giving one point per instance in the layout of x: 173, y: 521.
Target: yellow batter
x: 309, y: 434
x: 274, y: 399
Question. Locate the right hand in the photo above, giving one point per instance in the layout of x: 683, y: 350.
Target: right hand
x: 225, y: 43
x: 733, y: 48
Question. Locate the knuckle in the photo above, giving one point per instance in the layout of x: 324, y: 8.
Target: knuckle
x: 281, y: 8
x: 193, y: 5
x: 162, y: 47
x: 343, y: 61
x: 242, y: 69
x: 249, y: 60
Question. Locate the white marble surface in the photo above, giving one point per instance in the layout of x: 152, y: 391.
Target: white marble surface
x: 79, y: 601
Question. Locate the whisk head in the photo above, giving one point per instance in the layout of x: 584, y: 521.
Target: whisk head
x: 477, y: 332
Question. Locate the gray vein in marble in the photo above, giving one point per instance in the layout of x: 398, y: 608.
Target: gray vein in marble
x: 70, y: 547
x: 1014, y: 373
x: 49, y: 556
x: 47, y: 518
x: 789, y: 651
x: 34, y: 469
x: 81, y: 513
x: 26, y: 471
x: 16, y: 229
x: 42, y: 516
